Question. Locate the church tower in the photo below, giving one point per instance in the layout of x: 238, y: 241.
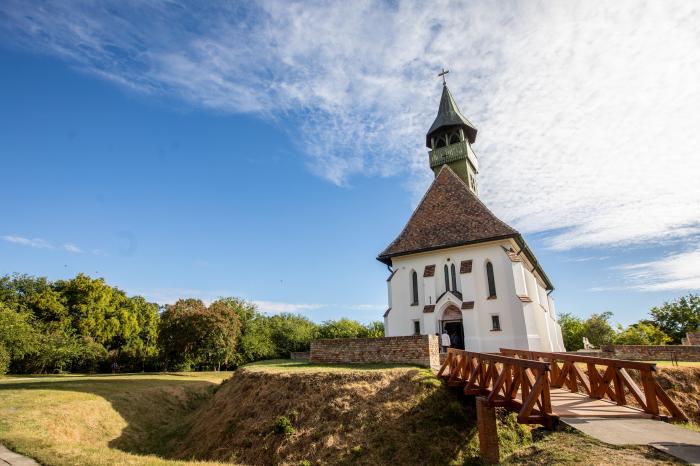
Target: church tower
x: 450, y: 138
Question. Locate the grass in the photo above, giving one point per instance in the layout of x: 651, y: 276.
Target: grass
x: 376, y: 414
x: 99, y: 419
x: 678, y: 364
x: 287, y: 365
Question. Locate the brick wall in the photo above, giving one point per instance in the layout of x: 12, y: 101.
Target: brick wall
x: 422, y: 350
x: 651, y: 353
x: 692, y: 338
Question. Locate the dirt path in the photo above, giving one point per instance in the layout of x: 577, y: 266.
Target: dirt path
x: 676, y: 441
x: 11, y: 458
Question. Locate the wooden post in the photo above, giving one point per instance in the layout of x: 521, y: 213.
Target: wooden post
x: 488, y: 432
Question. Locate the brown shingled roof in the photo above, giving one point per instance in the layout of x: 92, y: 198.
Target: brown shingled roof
x: 448, y: 215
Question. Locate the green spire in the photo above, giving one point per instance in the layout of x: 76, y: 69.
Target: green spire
x: 449, y: 115
x: 450, y: 138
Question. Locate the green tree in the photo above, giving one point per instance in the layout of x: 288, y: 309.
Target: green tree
x: 192, y: 334
x: 676, y: 318
x: 343, y: 328
x: 291, y: 333
x: 641, y: 333
x: 221, y: 332
x: 572, y: 331
x: 598, y: 329
x: 374, y: 330
x: 18, y: 336
x: 180, y: 333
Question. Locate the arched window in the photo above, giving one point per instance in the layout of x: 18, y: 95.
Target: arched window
x: 447, y: 278
x: 454, y: 278
x: 414, y: 288
x: 441, y: 142
x: 454, y: 138
x: 491, y: 280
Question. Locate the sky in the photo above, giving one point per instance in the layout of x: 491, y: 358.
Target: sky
x: 270, y: 150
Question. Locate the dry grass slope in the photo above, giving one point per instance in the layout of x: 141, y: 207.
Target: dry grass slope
x: 278, y: 412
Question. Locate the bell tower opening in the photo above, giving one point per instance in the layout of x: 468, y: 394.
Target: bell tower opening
x: 450, y: 138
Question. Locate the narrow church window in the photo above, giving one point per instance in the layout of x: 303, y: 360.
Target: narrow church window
x: 495, y: 323
x: 414, y: 288
x: 441, y: 142
x: 416, y: 327
x: 447, y: 278
x: 491, y: 280
x: 454, y: 278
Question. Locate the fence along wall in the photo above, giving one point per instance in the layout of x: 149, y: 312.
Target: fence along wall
x: 651, y: 353
x: 421, y: 350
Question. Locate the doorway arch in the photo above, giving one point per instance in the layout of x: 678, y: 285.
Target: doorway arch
x: 451, y: 323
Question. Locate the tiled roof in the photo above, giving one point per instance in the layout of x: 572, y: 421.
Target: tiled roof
x: 448, y: 215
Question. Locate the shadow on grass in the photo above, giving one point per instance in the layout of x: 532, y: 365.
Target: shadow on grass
x: 153, y: 407
x: 412, y: 419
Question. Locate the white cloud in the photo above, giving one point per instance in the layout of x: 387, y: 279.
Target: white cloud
x: 32, y: 242
x: 675, y: 272
x: 171, y: 295
x: 274, y: 307
x: 72, y: 248
x: 587, y: 111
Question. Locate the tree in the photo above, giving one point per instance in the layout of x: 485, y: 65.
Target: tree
x: 572, y: 331
x: 598, y: 329
x: 676, y: 318
x: 18, y: 336
x: 192, y: 334
x: 641, y: 333
x: 221, y: 330
x: 374, y: 329
x: 343, y: 328
x: 291, y: 333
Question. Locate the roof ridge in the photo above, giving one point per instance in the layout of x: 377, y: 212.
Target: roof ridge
x: 448, y: 215
x: 475, y: 196
x: 415, y: 210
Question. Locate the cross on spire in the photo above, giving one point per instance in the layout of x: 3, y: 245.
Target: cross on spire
x: 442, y: 75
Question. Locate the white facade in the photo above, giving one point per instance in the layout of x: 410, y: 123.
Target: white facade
x: 521, y: 315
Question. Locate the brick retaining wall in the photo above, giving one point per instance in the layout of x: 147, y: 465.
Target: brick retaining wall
x: 421, y: 350
x: 651, y: 353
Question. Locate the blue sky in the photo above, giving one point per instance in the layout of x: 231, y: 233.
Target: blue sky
x: 271, y: 151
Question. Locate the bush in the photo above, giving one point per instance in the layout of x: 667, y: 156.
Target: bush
x: 283, y: 426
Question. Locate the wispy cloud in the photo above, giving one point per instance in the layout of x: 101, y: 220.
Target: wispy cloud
x: 676, y: 272
x: 587, y: 111
x: 70, y: 247
x: 275, y: 307
x: 31, y: 242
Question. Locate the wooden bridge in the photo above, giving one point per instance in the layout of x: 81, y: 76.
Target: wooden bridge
x: 543, y: 387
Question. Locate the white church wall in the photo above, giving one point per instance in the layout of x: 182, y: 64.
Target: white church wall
x: 477, y: 322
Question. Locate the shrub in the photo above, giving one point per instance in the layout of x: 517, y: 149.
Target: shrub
x: 283, y: 426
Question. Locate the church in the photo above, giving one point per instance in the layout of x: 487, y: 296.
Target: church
x: 457, y: 269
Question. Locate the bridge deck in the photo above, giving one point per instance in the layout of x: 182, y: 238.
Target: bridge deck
x: 568, y: 404
x: 542, y: 387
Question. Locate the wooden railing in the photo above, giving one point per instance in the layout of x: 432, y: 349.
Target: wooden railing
x: 612, y: 380
x: 520, y: 384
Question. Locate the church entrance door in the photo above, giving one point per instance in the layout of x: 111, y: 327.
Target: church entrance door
x: 452, y: 325
x: 456, y: 332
